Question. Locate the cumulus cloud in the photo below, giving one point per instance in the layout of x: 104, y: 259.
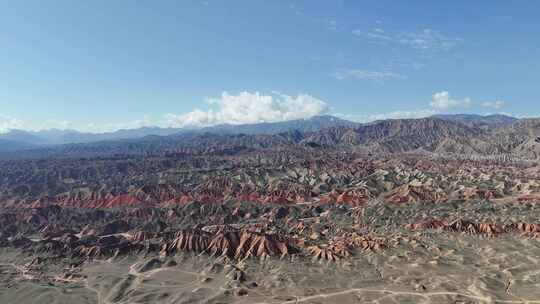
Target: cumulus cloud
x: 426, y: 39
x: 443, y: 101
x: 497, y: 105
x: 8, y: 123
x: 111, y: 127
x: 243, y: 108
x: 247, y: 108
x: 47, y: 124
x: 378, y: 76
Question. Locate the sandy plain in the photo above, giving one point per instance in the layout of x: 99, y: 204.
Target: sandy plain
x: 430, y: 267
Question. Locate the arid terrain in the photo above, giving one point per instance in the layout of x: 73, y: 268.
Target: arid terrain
x: 413, y: 211
x: 269, y: 152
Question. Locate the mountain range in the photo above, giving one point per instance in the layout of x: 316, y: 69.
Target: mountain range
x: 456, y: 134
x: 21, y: 139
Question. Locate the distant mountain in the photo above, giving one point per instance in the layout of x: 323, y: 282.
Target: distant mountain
x: 7, y: 145
x: 464, y: 135
x: 24, y: 137
x: 60, y: 137
x: 521, y: 137
x: 479, y: 121
x: 387, y: 136
x: 312, y: 124
x: 402, y: 135
x: 79, y: 137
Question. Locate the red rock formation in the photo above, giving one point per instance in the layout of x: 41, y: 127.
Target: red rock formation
x: 328, y: 252
x: 230, y: 243
x: 190, y: 241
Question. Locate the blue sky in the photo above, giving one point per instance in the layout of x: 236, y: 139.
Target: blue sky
x: 102, y: 65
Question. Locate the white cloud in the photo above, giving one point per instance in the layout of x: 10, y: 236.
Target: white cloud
x: 498, y: 104
x: 426, y: 39
x: 7, y: 123
x: 50, y: 124
x: 443, y: 101
x: 111, y: 127
x: 331, y: 24
x: 247, y: 107
x: 367, y: 75
x: 390, y: 115
x: 376, y: 34
x: 244, y: 108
